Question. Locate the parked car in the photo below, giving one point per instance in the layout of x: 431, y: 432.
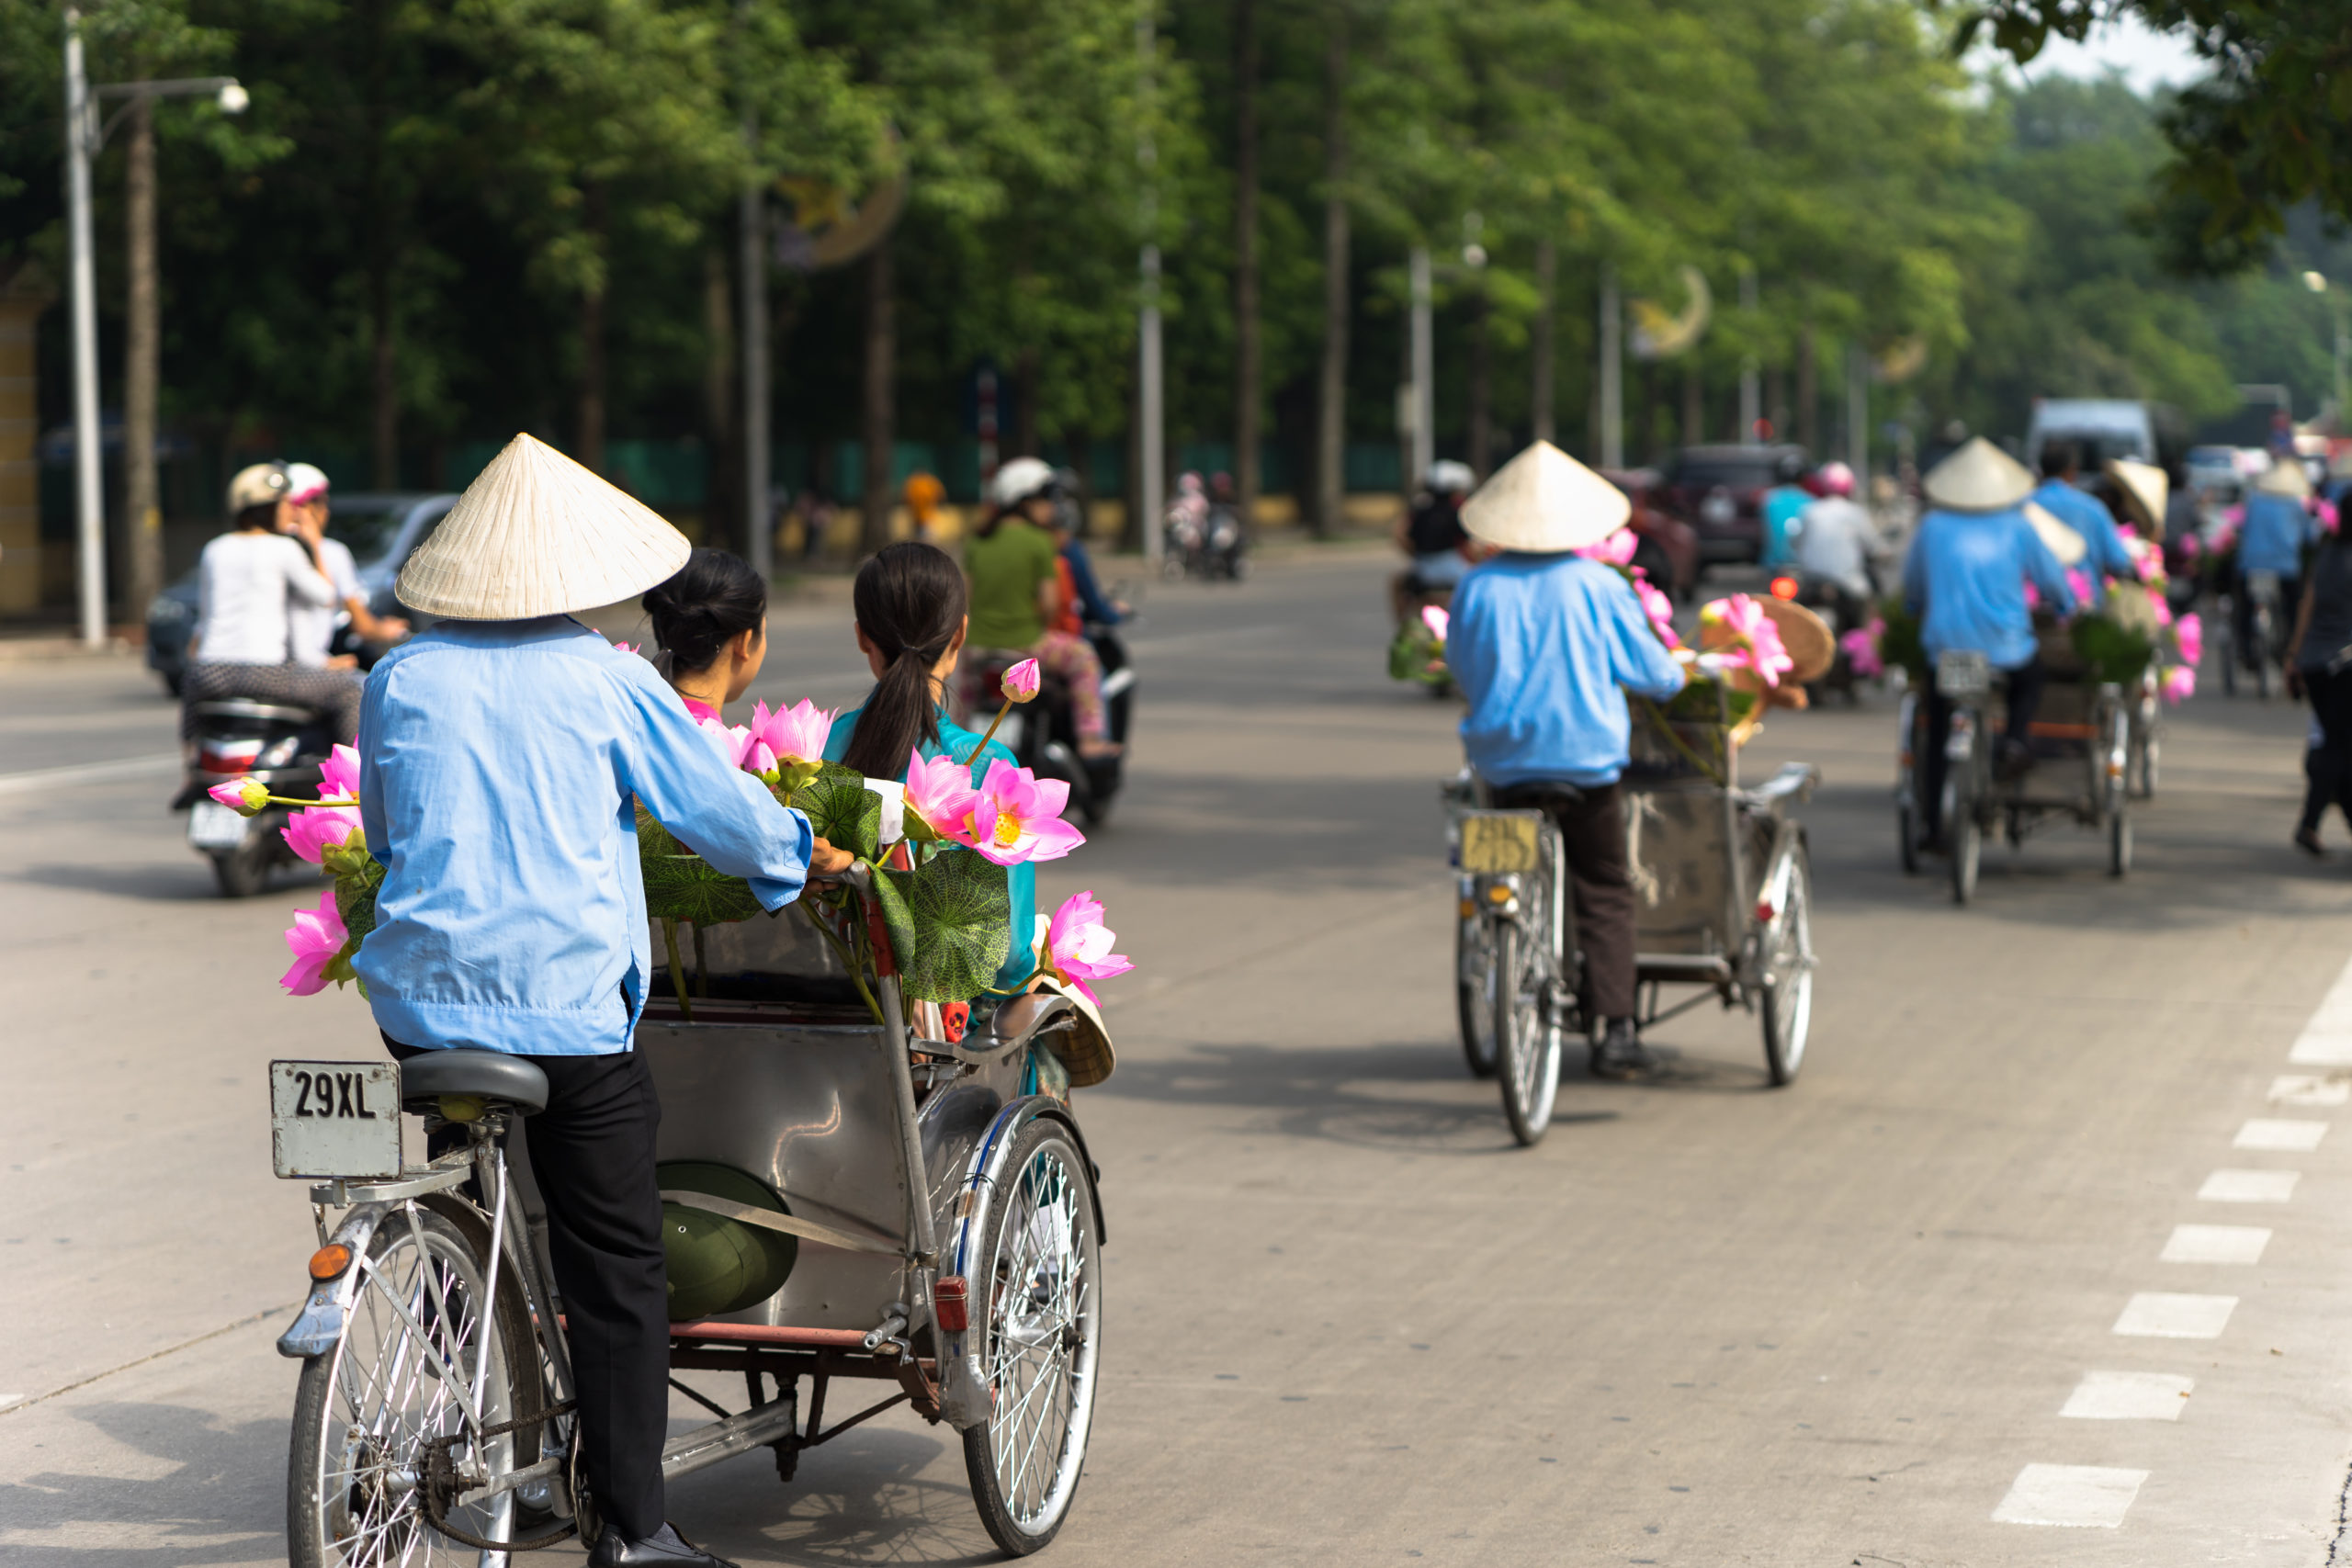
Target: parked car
x: 1718, y: 492
x: 2101, y: 428
x: 381, y: 530
x: 1669, y: 547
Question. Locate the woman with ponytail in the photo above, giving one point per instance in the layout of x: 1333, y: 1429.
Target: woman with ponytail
x: 910, y: 601
x: 710, y: 622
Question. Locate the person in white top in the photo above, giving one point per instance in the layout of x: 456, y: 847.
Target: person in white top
x: 1837, y: 542
x: 248, y: 581
x: 304, y: 516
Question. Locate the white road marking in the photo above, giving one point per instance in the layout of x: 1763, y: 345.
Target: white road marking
x: 2129, y: 1396
x: 2216, y: 1244
x: 2279, y: 1135
x: 2310, y: 1090
x: 85, y: 773
x: 2080, y: 1496
x: 8, y: 1399
x: 2249, y: 1186
x: 2165, y: 1315
x: 2326, y: 1040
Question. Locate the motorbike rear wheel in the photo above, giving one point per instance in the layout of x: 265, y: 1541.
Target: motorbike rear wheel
x: 244, y: 872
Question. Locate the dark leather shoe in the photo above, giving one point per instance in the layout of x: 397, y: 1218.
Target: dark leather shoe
x: 1620, y: 1054
x: 667, y: 1548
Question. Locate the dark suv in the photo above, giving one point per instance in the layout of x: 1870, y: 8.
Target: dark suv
x: 1719, y: 491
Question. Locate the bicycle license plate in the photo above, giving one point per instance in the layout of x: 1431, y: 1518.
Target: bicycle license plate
x: 212, y: 825
x: 1961, y: 673
x: 1496, y: 843
x: 335, y: 1119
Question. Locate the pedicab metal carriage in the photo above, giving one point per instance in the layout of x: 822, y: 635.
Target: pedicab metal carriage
x: 877, y: 1203
x: 1723, y: 892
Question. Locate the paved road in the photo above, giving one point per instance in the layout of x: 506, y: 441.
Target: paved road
x: 1705, y: 1323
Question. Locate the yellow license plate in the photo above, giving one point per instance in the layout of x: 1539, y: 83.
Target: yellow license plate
x: 1496, y: 843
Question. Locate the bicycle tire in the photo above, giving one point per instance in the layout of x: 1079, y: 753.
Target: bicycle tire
x: 1527, y: 1046
x: 1474, y: 998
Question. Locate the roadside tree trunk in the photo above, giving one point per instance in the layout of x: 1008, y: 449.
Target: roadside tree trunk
x: 1025, y: 442
x: 881, y: 366
x: 1808, y: 391
x: 142, y: 516
x: 1694, y: 402
x: 591, y: 455
x: 723, y: 517
x: 1246, y: 372
x: 1331, y: 394
x: 1482, y: 386
x: 1542, y: 348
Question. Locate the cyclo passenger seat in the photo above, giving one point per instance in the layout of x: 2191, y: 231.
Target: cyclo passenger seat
x: 492, y: 1077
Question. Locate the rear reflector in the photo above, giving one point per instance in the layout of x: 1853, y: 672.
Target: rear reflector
x: 947, y: 1303
x: 329, y: 1261
x: 1784, y: 587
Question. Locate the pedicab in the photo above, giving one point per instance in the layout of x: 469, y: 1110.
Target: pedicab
x: 864, y: 1185
x: 1721, y: 877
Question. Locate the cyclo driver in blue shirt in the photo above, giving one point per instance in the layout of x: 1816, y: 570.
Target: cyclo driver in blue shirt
x: 1966, y: 579
x: 1540, y: 642
x: 2103, y: 552
x: 502, y: 753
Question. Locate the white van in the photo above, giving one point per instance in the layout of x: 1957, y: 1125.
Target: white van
x: 2101, y: 428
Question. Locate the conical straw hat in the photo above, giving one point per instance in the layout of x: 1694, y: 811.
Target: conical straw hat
x: 2064, y: 542
x: 1545, y: 502
x: 537, y: 535
x: 2285, y: 477
x: 2144, y: 487
x: 1980, y: 476
x: 1805, y: 636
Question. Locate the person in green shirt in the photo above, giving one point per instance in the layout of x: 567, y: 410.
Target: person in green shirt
x: 1014, y: 564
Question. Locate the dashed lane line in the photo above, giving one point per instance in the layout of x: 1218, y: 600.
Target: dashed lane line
x: 2167, y: 1314
x: 2129, y: 1396
x: 2215, y: 1244
x: 2083, y: 1496
x: 2249, y: 1186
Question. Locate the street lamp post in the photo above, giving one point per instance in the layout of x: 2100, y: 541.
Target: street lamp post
x: 2317, y: 284
x: 86, y: 137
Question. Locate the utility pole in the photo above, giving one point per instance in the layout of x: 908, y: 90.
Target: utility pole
x: 759, y: 519
x: 1858, y: 415
x: 1751, y: 408
x: 1424, y: 382
x: 1539, y: 401
x: 1612, y: 371
x: 1151, y: 443
x: 89, y: 496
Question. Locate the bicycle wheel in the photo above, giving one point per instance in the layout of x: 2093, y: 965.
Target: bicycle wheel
x: 1039, y: 1334
x: 1527, y: 1044
x: 1907, y: 827
x: 1474, y: 994
x: 1967, y: 850
x: 1788, y: 977
x: 364, y: 1411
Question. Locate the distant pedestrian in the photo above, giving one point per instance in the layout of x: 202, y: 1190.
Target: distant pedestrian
x: 2319, y: 665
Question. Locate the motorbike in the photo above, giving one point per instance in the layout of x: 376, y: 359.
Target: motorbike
x: 1836, y: 605
x: 1042, y: 735
x: 1224, y: 550
x: 236, y: 738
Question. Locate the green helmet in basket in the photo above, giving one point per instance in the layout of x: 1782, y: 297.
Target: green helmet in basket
x: 717, y: 1265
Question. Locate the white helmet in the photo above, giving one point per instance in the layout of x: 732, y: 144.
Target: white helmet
x: 304, y: 483
x: 1447, y: 477
x: 1018, y: 479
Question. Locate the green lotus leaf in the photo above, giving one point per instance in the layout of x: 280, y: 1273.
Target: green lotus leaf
x: 950, y: 923
x: 843, y: 813
x: 682, y: 886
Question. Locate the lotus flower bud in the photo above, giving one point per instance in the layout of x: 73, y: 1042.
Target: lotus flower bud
x: 245, y: 796
x: 1020, y: 681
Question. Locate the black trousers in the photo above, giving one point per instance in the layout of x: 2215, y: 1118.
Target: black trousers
x: 592, y: 1154
x: 1592, y: 833
x: 2025, y: 683
x: 2282, y: 617
x: 2328, y: 767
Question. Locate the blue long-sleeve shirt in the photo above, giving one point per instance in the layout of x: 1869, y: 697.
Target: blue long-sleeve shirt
x: 2105, y: 555
x: 500, y: 762
x: 1541, y: 644
x: 1091, y: 602
x: 1966, y: 576
x: 2276, y: 529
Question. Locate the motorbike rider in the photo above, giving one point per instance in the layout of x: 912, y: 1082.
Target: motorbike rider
x: 1965, y: 578
x: 1838, y: 545
x: 313, y: 633
x: 1015, y: 567
x: 249, y: 582
x: 2104, y: 555
x: 500, y: 752
x: 1083, y: 601
x: 1186, y: 526
x: 1431, y: 533
x: 1540, y: 642
x: 2279, y: 524
x: 1780, y: 508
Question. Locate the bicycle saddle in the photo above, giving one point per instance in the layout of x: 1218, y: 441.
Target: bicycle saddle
x: 492, y: 1076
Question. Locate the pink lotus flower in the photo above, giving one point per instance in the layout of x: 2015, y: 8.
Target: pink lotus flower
x: 1615, y: 551
x: 1659, y: 609
x: 1750, y: 639
x: 738, y: 745
x: 1022, y: 681
x: 243, y: 796
x: 2162, y: 606
x: 2180, y: 683
x: 339, y: 775
x: 1861, y: 648
x: 2189, y: 636
x: 1078, y: 945
x: 940, y: 797
x: 312, y: 833
x: 630, y: 647
x: 794, y: 734
x: 2328, y: 518
x: 1436, y: 619
x: 1017, y: 817
x: 2080, y: 584
x: 317, y: 938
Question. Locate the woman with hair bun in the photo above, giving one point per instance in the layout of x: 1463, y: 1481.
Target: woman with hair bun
x: 710, y: 621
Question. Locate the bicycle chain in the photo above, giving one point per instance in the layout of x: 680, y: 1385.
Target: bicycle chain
x: 443, y: 1484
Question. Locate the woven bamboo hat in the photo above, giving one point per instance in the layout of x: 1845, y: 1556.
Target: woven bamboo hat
x: 2285, y: 477
x: 1805, y: 636
x: 1546, y: 503
x: 2144, y: 487
x: 537, y: 535
x: 1980, y: 476
x: 1085, y: 1049
x: 2066, y: 543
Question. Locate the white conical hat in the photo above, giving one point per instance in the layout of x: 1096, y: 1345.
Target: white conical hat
x: 537, y: 535
x: 2144, y: 487
x: 1980, y: 476
x: 2285, y: 477
x: 1545, y: 501
x: 2064, y: 542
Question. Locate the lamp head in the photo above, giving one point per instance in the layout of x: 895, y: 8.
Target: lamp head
x: 233, y: 99
x: 2315, y: 282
